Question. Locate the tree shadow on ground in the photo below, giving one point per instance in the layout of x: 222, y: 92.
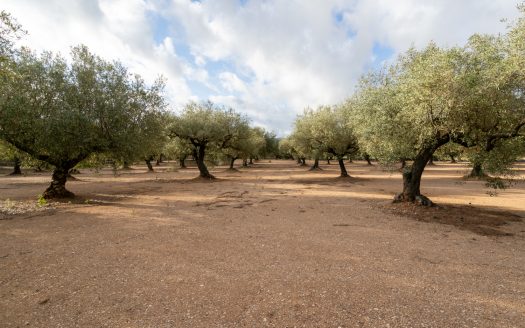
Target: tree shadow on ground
x: 482, y: 221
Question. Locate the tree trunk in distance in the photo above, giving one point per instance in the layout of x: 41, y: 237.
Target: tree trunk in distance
x: 344, y: 173
x: 452, y: 159
x: 159, y: 160
x: 316, y: 165
x: 17, y: 166
x: 148, y: 163
x: 477, y: 171
x: 232, y: 161
x: 199, y: 154
x: 182, y: 162
x: 367, y: 159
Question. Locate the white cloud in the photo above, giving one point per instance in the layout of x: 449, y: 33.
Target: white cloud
x: 269, y: 59
x: 231, y: 82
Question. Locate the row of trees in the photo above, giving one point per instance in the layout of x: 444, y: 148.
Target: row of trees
x: 432, y: 100
x: 62, y: 113
x: 429, y: 101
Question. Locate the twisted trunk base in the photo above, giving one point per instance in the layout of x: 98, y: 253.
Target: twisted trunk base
x: 315, y: 167
x: 57, y: 189
x: 150, y: 167
x: 199, y: 154
x: 477, y: 172
x: 344, y: 173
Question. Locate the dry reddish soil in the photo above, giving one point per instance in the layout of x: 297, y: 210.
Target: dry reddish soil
x: 268, y: 246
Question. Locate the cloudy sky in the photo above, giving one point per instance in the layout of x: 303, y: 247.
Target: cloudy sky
x: 266, y: 58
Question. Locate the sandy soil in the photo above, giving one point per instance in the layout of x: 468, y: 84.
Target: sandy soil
x: 269, y: 246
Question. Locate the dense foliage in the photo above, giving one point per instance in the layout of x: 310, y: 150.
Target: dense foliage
x: 61, y: 113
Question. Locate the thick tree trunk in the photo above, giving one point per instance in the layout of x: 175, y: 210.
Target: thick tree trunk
x: 412, y: 180
x: 148, y: 163
x: 251, y: 161
x: 303, y: 161
x: 367, y: 159
x: 57, y: 189
x: 452, y: 159
x: 199, y: 154
x: 344, y: 173
x: 328, y: 161
x: 412, y: 174
x: 232, y: 161
x: 477, y: 171
x: 316, y: 165
x: 182, y: 162
x: 17, y: 166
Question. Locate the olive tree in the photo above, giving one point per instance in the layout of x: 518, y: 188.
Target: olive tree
x: 61, y: 112
x: 303, y: 137
x: 326, y: 130
x: 497, y: 98
x: 472, y: 95
x: 411, y: 109
x: 207, y: 126
x: 10, y: 153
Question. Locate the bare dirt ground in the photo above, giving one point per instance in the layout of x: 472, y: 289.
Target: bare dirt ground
x: 269, y: 246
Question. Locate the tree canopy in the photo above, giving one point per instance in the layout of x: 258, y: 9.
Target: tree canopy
x: 61, y: 113
x: 207, y: 126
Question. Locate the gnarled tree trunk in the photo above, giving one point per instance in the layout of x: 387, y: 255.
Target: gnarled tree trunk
x: 344, y: 173
x: 477, y: 171
x: 57, y: 189
x: 182, y: 162
x: 232, y: 161
x: 412, y: 174
x: 148, y: 163
x: 198, y: 154
x: 367, y: 159
x: 316, y: 165
x: 303, y: 161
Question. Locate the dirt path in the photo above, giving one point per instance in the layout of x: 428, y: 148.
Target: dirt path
x: 272, y: 246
